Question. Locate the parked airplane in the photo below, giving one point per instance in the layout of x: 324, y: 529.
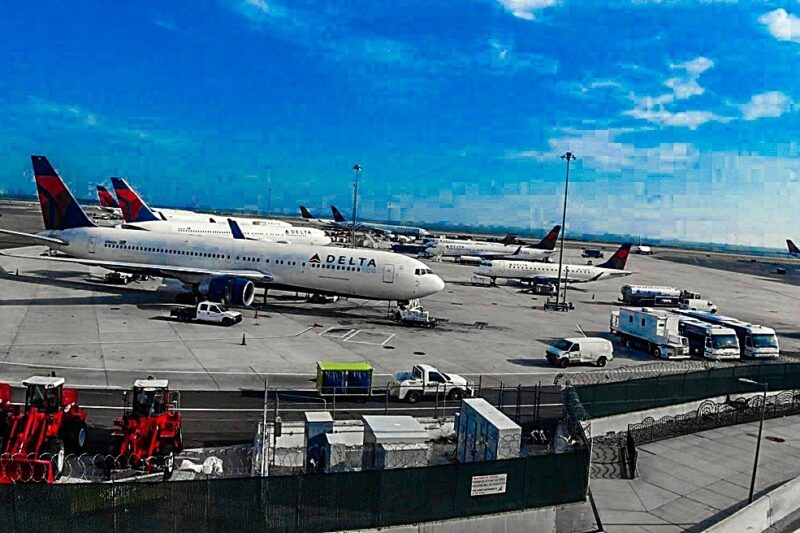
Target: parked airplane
x: 217, y: 268
x: 107, y: 201
x: 794, y: 251
x: 138, y: 215
x: 306, y: 215
x: 548, y: 272
x: 496, y: 250
x: 394, y: 229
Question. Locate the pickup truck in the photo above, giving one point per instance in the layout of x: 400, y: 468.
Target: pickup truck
x: 425, y: 380
x: 211, y: 312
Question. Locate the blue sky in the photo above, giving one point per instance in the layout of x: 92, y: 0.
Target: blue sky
x: 683, y: 114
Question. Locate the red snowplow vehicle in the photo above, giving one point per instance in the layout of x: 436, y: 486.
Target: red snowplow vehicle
x: 149, y: 433
x: 37, y: 438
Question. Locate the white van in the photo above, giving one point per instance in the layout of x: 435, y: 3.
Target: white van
x: 564, y: 352
x: 696, y: 304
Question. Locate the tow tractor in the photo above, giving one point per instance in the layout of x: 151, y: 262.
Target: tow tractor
x: 38, y: 437
x: 412, y: 314
x: 149, y: 433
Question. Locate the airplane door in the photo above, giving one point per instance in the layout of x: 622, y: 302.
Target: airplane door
x: 388, y: 274
x: 92, y: 244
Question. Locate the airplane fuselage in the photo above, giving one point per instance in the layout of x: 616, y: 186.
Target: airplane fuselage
x: 526, y: 271
x: 251, y: 231
x: 451, y: 248
x: 358, y: 273
x: 179, y: 215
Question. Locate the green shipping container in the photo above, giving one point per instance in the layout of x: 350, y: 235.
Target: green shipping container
x: 344, y: 378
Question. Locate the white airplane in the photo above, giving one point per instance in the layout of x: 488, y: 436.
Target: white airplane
x: 138, y: 215
x: 220, y: 268
x: 529, y: 272
x: 495, y: 250
x: 394, y: 229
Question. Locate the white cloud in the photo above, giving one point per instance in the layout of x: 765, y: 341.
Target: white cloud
x: 664, y: 117
x: 782, y: 25
x: 770, y: 104
x: 525, y: 9
x: 695, y: 67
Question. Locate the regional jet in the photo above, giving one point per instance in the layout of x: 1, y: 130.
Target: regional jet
x: 529, y: 272
x: 138, y: 215
x: 394, y: 229
x: 220, y: 268
x: 496, y: 250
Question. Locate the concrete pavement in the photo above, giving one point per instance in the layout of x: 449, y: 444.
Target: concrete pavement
x: 691, y: 482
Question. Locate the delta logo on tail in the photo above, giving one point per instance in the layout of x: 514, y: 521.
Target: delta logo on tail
x: 133, y: 208
x: 793, y: 249
x: 620, y: 257
x: 59, y: 208
x: 549, y: 241
x: 105, y: 198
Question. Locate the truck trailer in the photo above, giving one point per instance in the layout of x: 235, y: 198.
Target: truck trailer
x: 653, y: 330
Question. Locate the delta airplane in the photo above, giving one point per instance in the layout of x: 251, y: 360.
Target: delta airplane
x: 496, y: 250
x: 794, y: 251
x: 306, y: 215
x: 528, y: 272
x: 410, y: 231
x: 138, y: 215
x: 107, y: 201
x: 217, y: 268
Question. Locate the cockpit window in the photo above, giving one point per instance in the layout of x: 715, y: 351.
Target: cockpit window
x: 422, y: 271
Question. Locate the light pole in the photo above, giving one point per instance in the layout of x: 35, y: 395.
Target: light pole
x: 760, y: 429
x: 357, y: 168
x: 569, y: 156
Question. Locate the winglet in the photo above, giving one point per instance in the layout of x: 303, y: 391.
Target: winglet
x: 793, y: 249
x: 235, y: 229
x: 549, y: 241
x: 60, y: 210
x: 337, y: 216
x: 134, y: 209
x: 305, y: 213
x: 617, y: 261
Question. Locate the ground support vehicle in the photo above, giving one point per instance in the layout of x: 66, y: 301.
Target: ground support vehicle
x: 412, y: 314
x: 564, y: 352
x: 149, y: 433
x: 40, y: 434
x: 210, y: 312
x: 713, y: 342
x: 349, y: 378
x: 756, y: 341
x: 652, y: 330
x: 425, y: 380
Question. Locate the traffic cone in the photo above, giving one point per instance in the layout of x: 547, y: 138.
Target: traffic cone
x: 244, y: 339
x: 256, y: 314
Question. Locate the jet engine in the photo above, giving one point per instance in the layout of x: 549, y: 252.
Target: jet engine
x: 228, y: 290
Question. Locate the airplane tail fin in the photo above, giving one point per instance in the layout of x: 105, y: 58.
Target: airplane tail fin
x: 60, y: 210
x: 549, y: 240
x: 305, y: 213
x: 235, y: 229
x: 105, y: 198
x: 793, y: 249
x: 134, y: 209
x: 337, y: 216
x: 620, y: 257
x: 511, y: 238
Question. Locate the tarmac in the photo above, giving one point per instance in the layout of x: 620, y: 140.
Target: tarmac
x: 689, y: 483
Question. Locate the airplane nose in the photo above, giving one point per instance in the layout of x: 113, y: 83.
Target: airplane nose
x: 437, y: 283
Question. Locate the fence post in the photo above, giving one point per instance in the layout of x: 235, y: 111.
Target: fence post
x: 519, y: 398
x: 386, y: 405
x: 333, y: 415
x: 436, y: 402
x: 480, y: 382
x: 500, y: 398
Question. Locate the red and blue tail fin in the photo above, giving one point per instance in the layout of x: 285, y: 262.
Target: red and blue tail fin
x: 793, y: 249
x: 105, y: 198
x: 337, y: 216
x: 134, y: 209
x: 60, y: 210
x: 620, y: 257
x: 549, y: 240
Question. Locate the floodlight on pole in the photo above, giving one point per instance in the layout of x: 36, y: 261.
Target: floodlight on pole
x: 760, y: 430
x: 569, y: 157
x: 357, y: 169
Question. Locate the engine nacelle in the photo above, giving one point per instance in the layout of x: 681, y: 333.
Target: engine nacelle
x: 229, y: 290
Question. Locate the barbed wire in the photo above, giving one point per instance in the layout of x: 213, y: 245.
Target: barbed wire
x: 625, y: 373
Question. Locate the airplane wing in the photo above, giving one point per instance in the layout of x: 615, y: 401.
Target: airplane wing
x: 36, y: 238
x: 167, y: 271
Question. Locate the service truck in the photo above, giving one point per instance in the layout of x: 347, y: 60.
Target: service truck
x: 709, y: 340
x: 572, y: 350
x: 654, y: 295
x: 697, y: 304
x: 413, y: 314
x: 212, y: 312
x: 653, y: 330
x: 425, y: 380
x: 755, y: 341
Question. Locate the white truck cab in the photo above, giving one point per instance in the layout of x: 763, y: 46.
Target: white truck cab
x: 761, y: 342
x: 425, y: 380
x: 564, y: 352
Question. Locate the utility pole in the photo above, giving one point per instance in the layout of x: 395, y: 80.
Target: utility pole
x: 357, y: 168
x: 760, y: 430
x: 569, y: 156
x: 269, y: 190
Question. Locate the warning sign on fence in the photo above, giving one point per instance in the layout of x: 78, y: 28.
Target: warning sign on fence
x: 491, y: 484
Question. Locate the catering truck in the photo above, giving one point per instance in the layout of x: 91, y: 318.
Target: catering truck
x: 755, y: 341
x: 653, y: 330
x: 709, y: 340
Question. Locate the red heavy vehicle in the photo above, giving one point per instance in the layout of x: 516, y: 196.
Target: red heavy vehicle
x: 36, y: 439
x: 149, y: 434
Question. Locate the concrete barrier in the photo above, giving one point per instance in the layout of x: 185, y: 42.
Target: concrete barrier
x: 763, y: 513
